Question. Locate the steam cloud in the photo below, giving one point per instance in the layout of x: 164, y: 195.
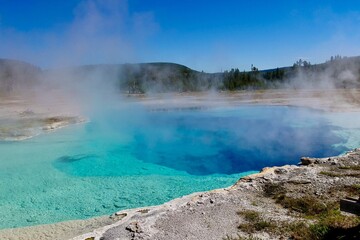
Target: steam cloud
x: 101, y: 31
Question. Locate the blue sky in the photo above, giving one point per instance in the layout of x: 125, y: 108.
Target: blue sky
x: 204, y: 35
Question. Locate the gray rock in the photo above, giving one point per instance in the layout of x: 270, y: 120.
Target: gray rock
x: 307, y: 161
x: 280, y: 171
x: 133, y: 227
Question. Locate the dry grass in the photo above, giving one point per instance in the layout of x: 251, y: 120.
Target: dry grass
x: 334, y: 174
x: 254, y: 222
x: 356, y: 168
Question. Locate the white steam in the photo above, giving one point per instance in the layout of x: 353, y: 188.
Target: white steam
x: 102, y: 31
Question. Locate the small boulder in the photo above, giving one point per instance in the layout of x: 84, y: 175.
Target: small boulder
x: 134, y: 227
x: 307, y: 161
x: 280, y: 171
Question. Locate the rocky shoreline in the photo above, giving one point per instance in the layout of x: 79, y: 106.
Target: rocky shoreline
x: 278, y: 203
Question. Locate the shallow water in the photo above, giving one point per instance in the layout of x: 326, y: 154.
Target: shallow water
x: 130, y: 157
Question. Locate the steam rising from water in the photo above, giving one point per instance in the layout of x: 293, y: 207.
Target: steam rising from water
x: 174, y: 153
x: 101, y: 31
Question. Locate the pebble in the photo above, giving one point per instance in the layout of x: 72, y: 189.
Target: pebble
x: 280, y: 171
x: 120, y: 214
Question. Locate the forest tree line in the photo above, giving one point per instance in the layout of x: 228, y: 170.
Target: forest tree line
x: 344, y: 72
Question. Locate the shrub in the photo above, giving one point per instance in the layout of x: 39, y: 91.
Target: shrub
x: 274, y: 190
x: 254, y: 222
x: 250, y: 215
x: 307, y: 205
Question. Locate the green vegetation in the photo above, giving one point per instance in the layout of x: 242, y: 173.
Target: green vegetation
x: 336, y: 174
x: 165, y: 77
x: 249, y: 215
x: 236, y: 80
x: 301, y: 73
x: 170, y: 77
x: 307, y: 205
x: 274, y: 190
x: 353, y: 189
x: 328, y: 222
x: 254, y: 222
x: 357, y: 168
x: 343, y: 171
x: 238, y: 237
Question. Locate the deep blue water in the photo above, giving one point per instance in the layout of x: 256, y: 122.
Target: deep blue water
x: 235, y: 140
x: 211, y: 141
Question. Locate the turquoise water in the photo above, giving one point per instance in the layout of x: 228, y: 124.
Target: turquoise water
x: 130, y: 157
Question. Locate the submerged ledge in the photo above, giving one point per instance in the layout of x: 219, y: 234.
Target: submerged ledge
x: 217, y: 214
x: 25, y: 128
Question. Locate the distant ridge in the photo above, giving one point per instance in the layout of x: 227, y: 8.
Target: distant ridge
x: 17, y: 74
x: 338, y: 72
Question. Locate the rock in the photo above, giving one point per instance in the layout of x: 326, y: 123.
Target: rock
x: 280, y: 171
x: 307, y: 161
x: 134, y: 227
x: 334, y: 162
x: 267, y: 178
x: 144, y: 211
x: 299, y: 181
x: 120, y: 214
x: 117, y: 216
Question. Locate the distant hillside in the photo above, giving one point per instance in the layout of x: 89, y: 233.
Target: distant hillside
x: 167, y: 77
x: 146, y: 77
x: 338, y: 72
x: 17, y: 74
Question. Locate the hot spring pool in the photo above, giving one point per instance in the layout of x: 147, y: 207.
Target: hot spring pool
x: 129, y: 157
